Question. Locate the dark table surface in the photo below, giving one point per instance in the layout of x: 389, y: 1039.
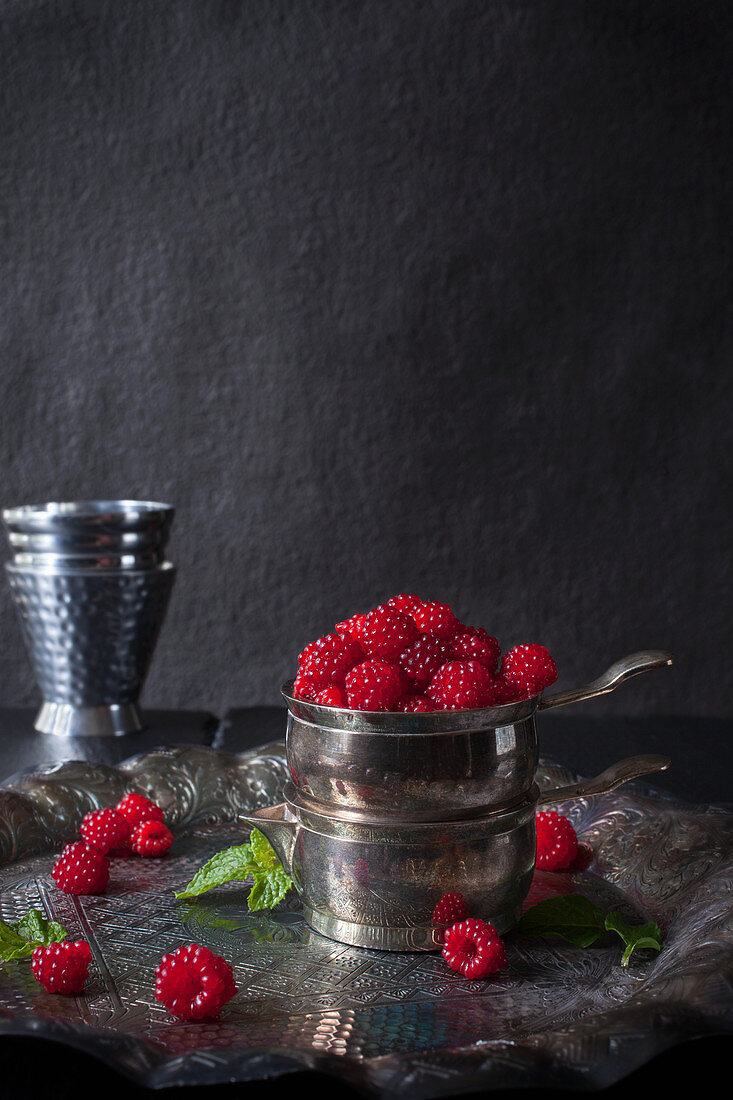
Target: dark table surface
x: 701, y: 750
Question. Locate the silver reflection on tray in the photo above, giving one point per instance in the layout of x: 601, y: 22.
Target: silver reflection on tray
x: 91, y: 585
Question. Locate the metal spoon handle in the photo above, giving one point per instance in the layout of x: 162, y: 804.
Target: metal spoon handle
x: 620, y: 772
x: 611, y: 678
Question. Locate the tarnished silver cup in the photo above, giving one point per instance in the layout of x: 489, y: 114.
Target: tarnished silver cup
x: 91, y: 586
x: 389, y: 812
x: 442, y: 763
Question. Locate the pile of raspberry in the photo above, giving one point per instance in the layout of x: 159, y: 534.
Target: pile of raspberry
x: 135, y: 826
x: 414, y: 655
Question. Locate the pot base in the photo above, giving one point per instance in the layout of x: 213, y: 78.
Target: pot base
x: 65, y: 720
x: 379, y: 938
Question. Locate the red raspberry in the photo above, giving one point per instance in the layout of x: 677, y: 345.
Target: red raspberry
x: 460, y: 685
x: 405, y: 602
x: 303, y: 688
x: 151, y: 838
x: 449, y: 909
x: 437, y: 618
x: 81, y: 870
x: 474, y: 948
x: 329, y: 659
x: 374, y: 685
x: 386, y: 632
x: 502, y: 692
x: 351, y: 626
x: 105, y: 829
x: 193, y: 982
x: 136, y: 808
x: 62, y: 967
x: 330, y: 696
x: 415, y: 704
x: 557, y: 842
x: 474, y: 644
x: 421, y: 660
x: 529, y: 669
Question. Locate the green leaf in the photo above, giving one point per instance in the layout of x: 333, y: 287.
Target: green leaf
x: 12, y: 946
x: 634, y: 936
x: 229, y: 865
x: 268, y: 889
x: 17, y: 941
x: 263, y: 852
x: 258, y: 858
x: 571, y: 916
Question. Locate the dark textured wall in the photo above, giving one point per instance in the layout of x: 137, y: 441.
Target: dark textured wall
x: 383, y: 296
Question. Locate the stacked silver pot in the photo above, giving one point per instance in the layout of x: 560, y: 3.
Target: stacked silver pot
x: 391, y: 819
x: 91, y: 584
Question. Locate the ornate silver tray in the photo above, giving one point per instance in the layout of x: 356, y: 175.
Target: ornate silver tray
x: 387, y: 1023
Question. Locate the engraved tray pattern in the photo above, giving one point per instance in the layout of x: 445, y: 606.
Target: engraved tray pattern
x: 388, y: 1023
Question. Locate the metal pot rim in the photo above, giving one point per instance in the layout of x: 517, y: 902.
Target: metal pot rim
x: 395, y: 723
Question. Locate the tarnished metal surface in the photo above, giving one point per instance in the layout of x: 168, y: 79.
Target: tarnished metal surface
x: 389, y: 1023
x: 441, y: 762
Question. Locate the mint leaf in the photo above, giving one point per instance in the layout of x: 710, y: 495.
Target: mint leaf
x: 17, y: 941
x: 634, y: 936
x: 226, y: 866
x: 258, y: 858
x: 12, y: 946
x: 571, y: 916
x: 268, y: 889
x: 263, y: 852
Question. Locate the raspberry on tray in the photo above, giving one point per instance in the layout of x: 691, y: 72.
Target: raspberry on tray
x: 474, y: 948
x: 105, y: 829
x: 62, y: 967
x: 193, y: 982
x: 557, y: 842
x: 81, y: 869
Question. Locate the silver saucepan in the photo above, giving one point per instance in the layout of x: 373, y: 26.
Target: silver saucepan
x: 388, y: 812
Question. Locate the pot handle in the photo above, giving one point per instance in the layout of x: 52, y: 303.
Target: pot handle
x: 619, y: 671
x: 614, y: 776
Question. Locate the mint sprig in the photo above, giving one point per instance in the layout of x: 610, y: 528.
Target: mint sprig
x: 270, y: 883
x: 18, y: 940
x: 576, y: 919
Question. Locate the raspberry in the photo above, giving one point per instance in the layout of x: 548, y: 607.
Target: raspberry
x: 557, y: 842
x: 330, y: 696
x: 81, y: 870
x: 449, y: 909
x: 329, y: 659
x: 351, y: 626
x: 438, y: 619
x: 474, y: 948
x: 405, y: 602
x: 151, y: 838
x: 62, y: 967
x: 374, y: 685
x: 303, y: 688
x: 136, y: 808
x: 415, y: 704
x: 193, y: 982
x: 460, y: 685
x: 529, y: 668
x: 474, y: 644
x: 105, y: 829
x: 421, y: 660
x: 386, y: 632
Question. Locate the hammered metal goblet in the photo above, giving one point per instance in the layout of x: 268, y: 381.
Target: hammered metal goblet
x: 91, y: 587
